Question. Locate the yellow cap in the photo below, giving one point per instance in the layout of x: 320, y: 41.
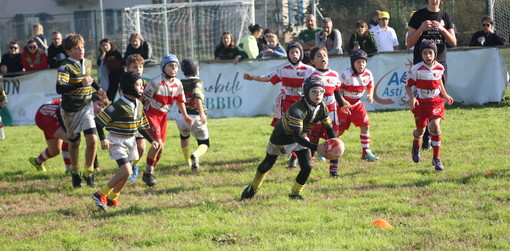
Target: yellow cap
x: 384, y: 14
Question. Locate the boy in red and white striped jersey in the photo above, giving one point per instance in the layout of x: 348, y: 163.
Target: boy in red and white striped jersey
x: 425, y: 102
x: 355, y: 82
x: 159, y: 95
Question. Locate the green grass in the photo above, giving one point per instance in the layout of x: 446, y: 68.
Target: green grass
x: 459, y: 208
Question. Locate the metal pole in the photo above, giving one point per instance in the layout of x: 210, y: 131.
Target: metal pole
x: 102, y: 18
x: 165, y: 25
x: 265, y: 13
x: 191, y: 34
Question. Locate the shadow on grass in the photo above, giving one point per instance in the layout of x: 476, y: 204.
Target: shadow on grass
x: 132, y: 210
x: 220, y: 166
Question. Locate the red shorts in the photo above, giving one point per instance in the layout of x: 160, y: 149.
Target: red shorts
x: 426, y: 111
x: 49, y: 125
x: 157, y: 124
x: 318, y: 131
x: 358, y: 117
x: 283, y: 103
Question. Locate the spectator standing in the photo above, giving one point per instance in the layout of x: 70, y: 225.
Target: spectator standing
x: 137, y: 45
x: 487, y: 36
x: 40, y: 39
x: 384, y: 35
x: 33, y: 58
x: 110, y: 67
x: 374, y: 19
x: 329, y: 37
x: 227, y: 49
x: 435, y: 25
x: 362, y: 39
x: 56, y: 53
x: 11, y: 61
x: 249, y: 42
x: 307, y: 37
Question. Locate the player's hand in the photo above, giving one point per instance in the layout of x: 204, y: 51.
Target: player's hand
x: 106, y: 144
x: 155, y: 144
x: 247, y: 76
x: 426, y: 25
x: 449, y: 99
x: 325, y: 153
x: 102, y: 94
x: 189, y: 120
x: 88, y: 80
x: 370, y: 99
x: 203, y: 119
x: 412, y: 103
x: 346, y: 109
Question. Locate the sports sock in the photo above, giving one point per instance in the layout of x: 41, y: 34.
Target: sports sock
x: 136, y: 162
x: 66, y: 156
x: 436, y: 145
x: 106, y: 190
x: 114, y: 196
x: 257, y: 181
x: 149, y: 166
x: 186, y: 151
x: 333, y: 166
x: 88, y: 170
x: 296, y: 188
x: 416, y: 140
x: 365, y: 142
x: 45, y: 155
x: 201, y: 150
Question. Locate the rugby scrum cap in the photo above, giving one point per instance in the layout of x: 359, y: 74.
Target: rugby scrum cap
x: 358, y: 54
x: 127, y: 83
x: 168, y: 58
x: 428, y: 44
x: 189, y: 66
x: 295, y: 45
x: 311, y: 82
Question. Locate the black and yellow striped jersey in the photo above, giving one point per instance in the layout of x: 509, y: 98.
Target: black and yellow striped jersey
x: 122, y: 119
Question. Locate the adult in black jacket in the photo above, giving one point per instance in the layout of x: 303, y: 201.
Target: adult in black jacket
x: 487, y: 36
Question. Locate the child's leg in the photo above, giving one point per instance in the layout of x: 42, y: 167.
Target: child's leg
x: 305, y: 163
x: 417, y: 135
x: 364, y: 138
x: 152, y: 155
x: 435, y: 133
x: 66, y: 157
x: 51, y: 151
x: 186, y: 151
x: 90, y: 150
x: 74, y: 153
x: 140, y: 146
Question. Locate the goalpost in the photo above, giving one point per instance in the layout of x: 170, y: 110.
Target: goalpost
x: 499, y: 10
x: 188, y: 29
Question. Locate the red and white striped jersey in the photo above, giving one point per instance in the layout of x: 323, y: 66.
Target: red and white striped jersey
x: 50, y: 108
x: 161, y: 94
x: 332, y: 83
x: 292, y: 78
x: 426, y: 79
x: 353, y: 85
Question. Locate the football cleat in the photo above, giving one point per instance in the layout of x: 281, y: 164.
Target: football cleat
x: 76, y: 180
x: 293, y: 162
x: 134, y: 176
x: 416, y: 154
x: 248, y: 193
x: 296, y: 197
x: 437, y: 164
x: 100, y: 201
x: 194, y: 162
x: 369, y: 156
x: 149, y: 179
x: 334, y: 175
x: 112, y: 203
x: 90, y: 180
x: 40, y: 168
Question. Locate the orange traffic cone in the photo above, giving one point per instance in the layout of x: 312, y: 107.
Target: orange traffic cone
x: 382, y: 224
x: 490, y: 173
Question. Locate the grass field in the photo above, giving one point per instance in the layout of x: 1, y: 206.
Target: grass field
x: 463, y: 207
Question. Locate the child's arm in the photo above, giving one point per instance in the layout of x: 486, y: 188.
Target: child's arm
x: 344, y: 105
x: 442, y: 91
x: 370, y: 95
x: 262, y: 78
x: 182, y: 110
x: 105, y: 143
x: 148, y: 137
x: 201, y: 112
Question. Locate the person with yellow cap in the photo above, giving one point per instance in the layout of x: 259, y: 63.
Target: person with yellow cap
x: 385, y: 36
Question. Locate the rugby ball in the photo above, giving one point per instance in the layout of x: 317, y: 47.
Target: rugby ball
x: 332, y: 148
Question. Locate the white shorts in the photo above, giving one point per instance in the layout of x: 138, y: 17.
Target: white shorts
x: 198, y: 130
x: 123, y: 148
x: 76, y: 122
x: 284, y: 150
